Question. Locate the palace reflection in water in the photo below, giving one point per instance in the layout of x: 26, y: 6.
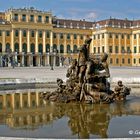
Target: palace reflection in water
x: 20, y: 111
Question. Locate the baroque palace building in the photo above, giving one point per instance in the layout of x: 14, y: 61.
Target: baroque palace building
x: 34, y: 37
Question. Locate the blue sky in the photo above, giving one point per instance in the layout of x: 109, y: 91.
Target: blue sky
x: 91, y: 10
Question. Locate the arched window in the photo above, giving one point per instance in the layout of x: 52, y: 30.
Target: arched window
x: 68, y: 49
x: 0, y: 47
x: 33, y: 48
x: 7, y: 47
x: 61, y: 48
x: 24, y: 47
x: 16, y: 47
x: 47, y: 47
x: 54, y: 47
x: 40, y: 48
x: 75, y: 49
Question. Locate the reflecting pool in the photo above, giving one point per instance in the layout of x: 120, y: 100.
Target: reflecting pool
x: 25, y: 114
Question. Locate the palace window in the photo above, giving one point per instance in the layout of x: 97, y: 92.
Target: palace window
x: 122, y: 49
x: 75, y: 49
x: 94, y: 37
x: 54, y: 35
x: 32, y: 34
x: 48, y: 34
x: 32, y: 18
x: 116, y: 36
x: 122, y: 36
x: 61, y: 36
x: 68, y: 36
x: 47, y: 48
x: 139, y: 60
x: 128, y: 36
x: 134, y: 60
x: 55, y: 48
x: 103, y: 49
x: 135, y: 36
x: 61, y: 49
x: 39, y: 18
x: 47, y: 19
x: 128, y: 50
x: 23, y: 17
x: 7, y: 33
x: 16, y: 33
x: 0, y: 47
x: 40, y: 48
x: 24, y: 48
x: 81, y: 37
x: 68, y: 49
x: 75, y: 36
x: 40, y: 34
x: 102, y: 35
x: 0, y: 33
x: 16, y: 17
x: 110, y: 35
x: 123, y: 61
x: 98, y: 49
x: 135, y: 49
x: 128, y: 60
x: 24, y: 33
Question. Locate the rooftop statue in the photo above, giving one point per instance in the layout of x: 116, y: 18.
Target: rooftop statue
x: 87, y: 81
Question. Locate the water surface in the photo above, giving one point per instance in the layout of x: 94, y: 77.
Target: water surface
x: 25, y: 114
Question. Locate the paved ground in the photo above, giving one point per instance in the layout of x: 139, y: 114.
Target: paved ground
x: 127, y: 74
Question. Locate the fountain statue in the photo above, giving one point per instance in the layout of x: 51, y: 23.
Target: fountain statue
x: 87, y: 81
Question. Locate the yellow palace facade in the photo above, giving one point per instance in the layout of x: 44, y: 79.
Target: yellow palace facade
x: 33, y: 36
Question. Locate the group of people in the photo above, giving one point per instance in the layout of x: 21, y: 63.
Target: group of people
x: 88, y: 69
x: 8, y: 57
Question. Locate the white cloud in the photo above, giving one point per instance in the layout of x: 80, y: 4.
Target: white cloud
x: 91, y: 15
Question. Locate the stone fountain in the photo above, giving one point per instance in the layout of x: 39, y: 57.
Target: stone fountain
x: 87, y: 81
